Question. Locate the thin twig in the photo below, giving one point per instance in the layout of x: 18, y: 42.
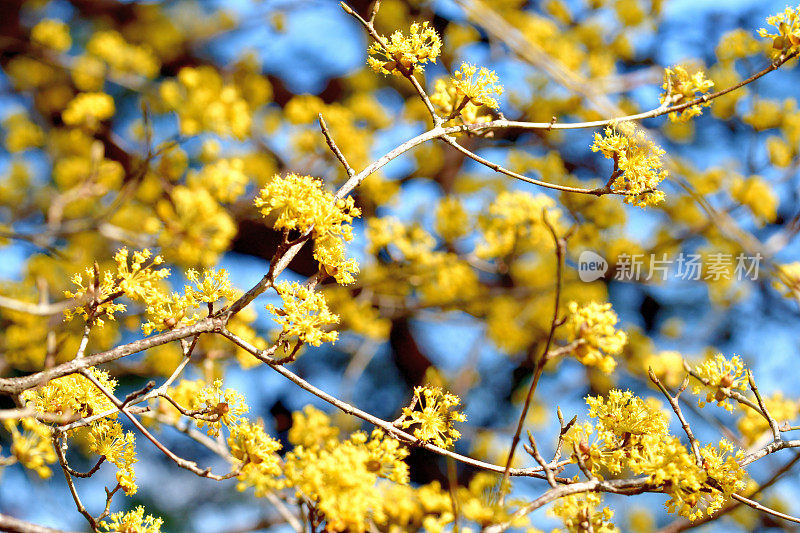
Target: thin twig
x: 560, y: 247
x: 676, y: 407
x: 385, y: 425
x: 773, y: 424
x: 335, y: 149
x: 180, y: 461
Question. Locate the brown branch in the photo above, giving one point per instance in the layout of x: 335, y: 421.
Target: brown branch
x: 14, y: 386
x: 408, y: 73
x: 334, y: 148
x: 62, y: 460
x: 383, y: 424
x: 560, y: 247
x: 773, y: 424
x: 676, y: 407
x: 764, y: 509
x: 614, y: 486
x: 682, y: 524
x: 180, y: 461
x: 598, y: 191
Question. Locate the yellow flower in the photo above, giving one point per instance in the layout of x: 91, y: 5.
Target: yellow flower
x: 304, y: 314
x: 204, y: 102
x: 434, y: 419
x: 593, y: 325
x: 341, y: 477
x: 579, y: 513
x: 197, y: 228
x: 21, y: 133
x: 138, y: 281
x: 299, y: 203
x: 224, y: 179
x: 214, y: 285
x: 123, y: 57
x: 449, y: 102
x: 679, y: 87
x: 33, y: 446
x: 722, y: 375
x: 106, y: 438
x: 452, y: 220
x: 514, y: 224
x: 88, y: 109
x: 72, y: 394
x: 638, y: 161
x: 52, y: 34
x: 256, y: 454
x: 621, y: 415
x: 753, y: 425
x: 479, y: 90
x: 409, y: 52
x: 787, y: 39
x: 213, y: 406
x: 132, y: 522
x: 311, y: 427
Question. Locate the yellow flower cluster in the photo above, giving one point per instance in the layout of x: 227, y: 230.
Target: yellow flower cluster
x: 211, y: 406
x: 757, y: 195
x: 21, y: 133
x: 253, y: 451
x: 88, y: 109
x: 304, y: 314
x: 439, y: 277
x: 132, y: 522
x: 167, y: 311
x: 138, y: 280
x: 480, y: 90
x: 412, y: 241
x: 638, y: 160
x: 299, y: 203
x: 204, y: 102
x: 121, y: 56
x: 579, y: 513
x: 622, y: 415
x: 212, y: 286
x: 722, y: 376
x: 405, y: 53
x: 452, y: 220
x: 341, y: 476
x: 256, y: 454
x: 788, y: 283
x: 634, y: 434
x: 197, y: 229
x: 101, y: 174
x: 679, y: 87
x: 433, y: 421
x: 449, y: 103
x: 33, y: 446
x: 106, y: 438
x: 76, y: 395
x: 593, y: 326
x: 52, y: 34
x: 513, y: 224
x: 224, y: 179
x: 430, y: 507
x: 787, y: 39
